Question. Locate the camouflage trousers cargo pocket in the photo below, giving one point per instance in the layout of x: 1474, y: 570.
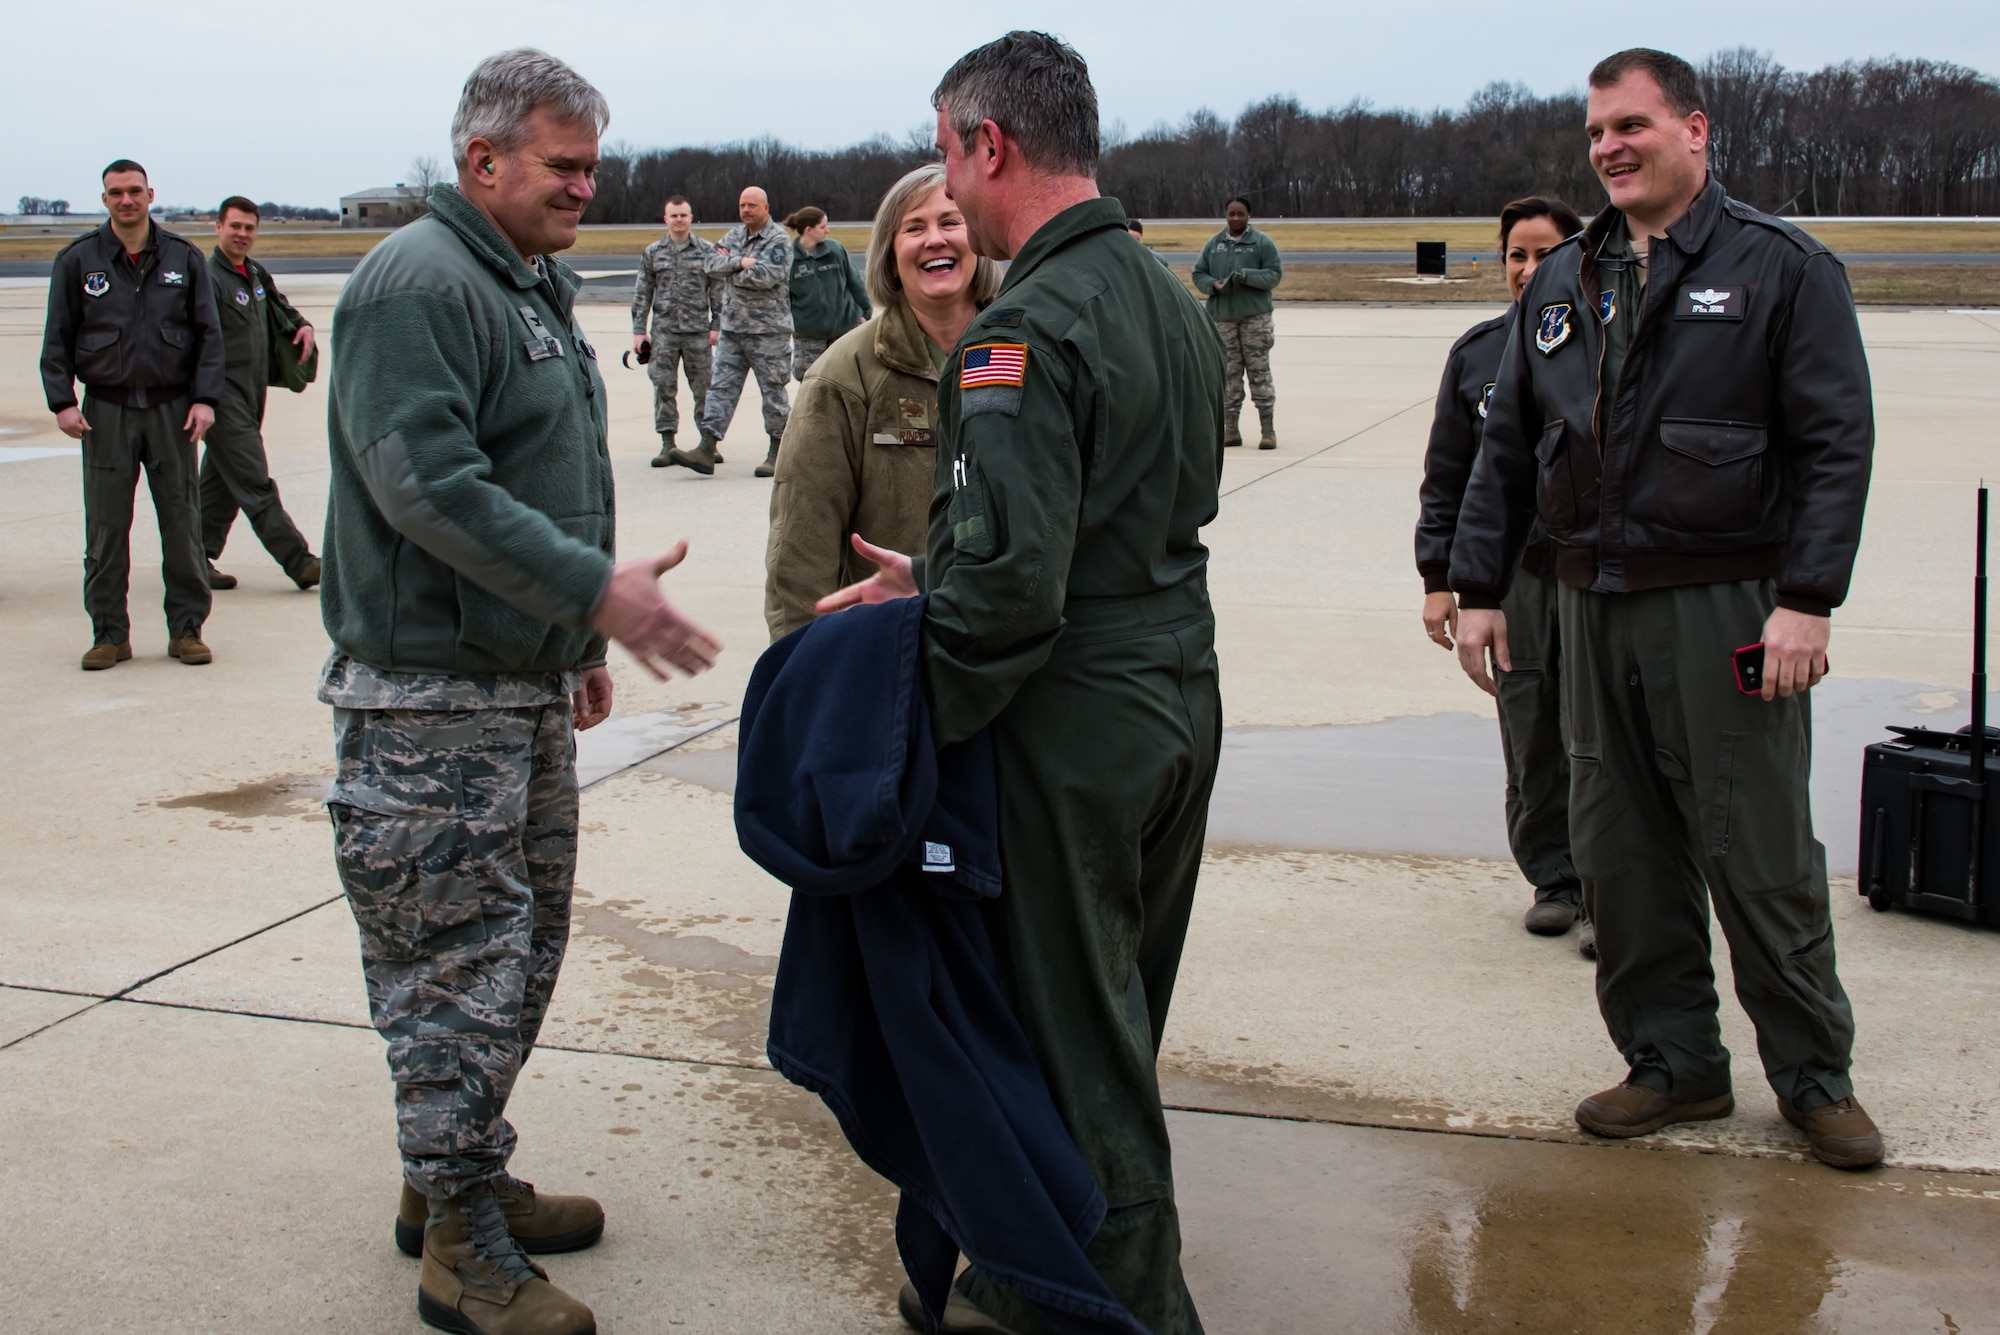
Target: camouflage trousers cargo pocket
x: 404, y: 852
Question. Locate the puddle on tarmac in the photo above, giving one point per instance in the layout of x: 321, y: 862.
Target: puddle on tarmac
x: 1300, y: 1226
x: 284, y: 795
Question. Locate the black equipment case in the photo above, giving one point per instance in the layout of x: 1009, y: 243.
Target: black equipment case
x: 1929, y: 841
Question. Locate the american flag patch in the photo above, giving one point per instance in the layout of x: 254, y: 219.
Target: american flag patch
x: 993, y: 364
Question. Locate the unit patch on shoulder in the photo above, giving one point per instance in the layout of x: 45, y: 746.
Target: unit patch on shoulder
x: 1607, y: 305
x: 989, y: 378
x: 1485, y: 399
x: 242, y: 297
x: 96, y: 283
x: 1553, y: 329
x: 173, y: 278
x: 1710, y: 303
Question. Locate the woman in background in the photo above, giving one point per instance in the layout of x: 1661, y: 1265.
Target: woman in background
x: 1530, y: 703
x: 827, y: 296
x: 857, y: 471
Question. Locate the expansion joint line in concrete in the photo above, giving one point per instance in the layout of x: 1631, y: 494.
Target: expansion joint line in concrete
x: 124, y: 992
x: 1352, y: 435
x: 717, y: 726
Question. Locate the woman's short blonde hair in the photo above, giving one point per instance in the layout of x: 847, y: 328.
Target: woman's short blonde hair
x: 885, y: 285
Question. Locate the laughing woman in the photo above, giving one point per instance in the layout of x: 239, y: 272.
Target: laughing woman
x: 858, y: 457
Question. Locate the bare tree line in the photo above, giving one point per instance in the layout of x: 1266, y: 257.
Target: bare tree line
x: 1884, y: 136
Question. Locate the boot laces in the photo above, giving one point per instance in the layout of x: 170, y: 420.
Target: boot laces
x: 486, y: 1233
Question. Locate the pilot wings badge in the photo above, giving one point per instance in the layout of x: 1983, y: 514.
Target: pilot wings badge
x: 1710, y: 303
x: 1553, y: 330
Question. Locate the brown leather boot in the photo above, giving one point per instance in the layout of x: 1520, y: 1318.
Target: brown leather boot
x: 702, y: 458
x: 218, y: 580
x: 190, y: 650
x: 960, y: 1316
x: 101, y: 656
x: 1551, y: 917
x: 1633, y: 1110
x: 1840, y: 1134
x: 308, y: 574
x: 476, y: 1281
x: 542, y: 1223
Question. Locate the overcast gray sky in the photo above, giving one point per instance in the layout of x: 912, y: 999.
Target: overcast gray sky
x: 303, y: 104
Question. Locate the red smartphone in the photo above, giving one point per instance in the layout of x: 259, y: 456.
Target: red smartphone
x: 1749, y: 664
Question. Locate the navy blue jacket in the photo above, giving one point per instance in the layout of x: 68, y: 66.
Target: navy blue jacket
x: 886, y: 1003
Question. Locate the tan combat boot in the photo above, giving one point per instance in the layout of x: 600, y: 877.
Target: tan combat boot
x: 542, y: 1223
x: 101, y: 656
x: 190, y: 650
x: 702, y: 458
x: 769, y: 467
x: 476, y: 1281
x: 664, y: 459
x: 1268, y: 438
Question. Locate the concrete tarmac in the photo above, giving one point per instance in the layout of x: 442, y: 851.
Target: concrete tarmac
x: 1376, y: 1064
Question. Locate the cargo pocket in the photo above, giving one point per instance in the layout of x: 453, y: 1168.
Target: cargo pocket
x: 403, y: 851
x: 1711, y: 475
x: 1555, y: 490
x: 1757, y: 811
x: 424, y: 1061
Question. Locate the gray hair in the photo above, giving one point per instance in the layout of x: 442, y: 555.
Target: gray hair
x: 1037, y: 89
x: 885, y: 285
x: 504, y: 90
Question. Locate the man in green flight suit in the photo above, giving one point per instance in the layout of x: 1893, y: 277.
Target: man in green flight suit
x: 1080, y: 452
x: 235, y: 471
x: 1236, y: 272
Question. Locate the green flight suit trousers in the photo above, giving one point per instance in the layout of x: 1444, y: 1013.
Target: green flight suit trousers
x: 1685, y: 792
x: 1532, y: 739
x: 236, y: 476
x: 119, y: 443
x: 1106, y: 758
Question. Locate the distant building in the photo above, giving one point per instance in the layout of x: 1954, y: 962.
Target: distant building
x: 385, y: 206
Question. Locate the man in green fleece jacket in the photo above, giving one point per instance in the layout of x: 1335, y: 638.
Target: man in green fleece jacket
x: 1236, y: 272
x: 469, y: 592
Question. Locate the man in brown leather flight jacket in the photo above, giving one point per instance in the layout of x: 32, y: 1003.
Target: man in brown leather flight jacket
x: 1685, y: 401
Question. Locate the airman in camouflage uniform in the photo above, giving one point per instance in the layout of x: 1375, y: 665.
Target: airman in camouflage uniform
x: 684, y: 302
x: 1236, y: 272
x: 754, y: 260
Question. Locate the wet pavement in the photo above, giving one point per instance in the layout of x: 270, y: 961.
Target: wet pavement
x: 1327, y: 1228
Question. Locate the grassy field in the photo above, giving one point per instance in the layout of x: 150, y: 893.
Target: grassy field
x: 1910, y: 238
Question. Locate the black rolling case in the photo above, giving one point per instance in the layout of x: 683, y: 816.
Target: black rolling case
x: 1929, y: 841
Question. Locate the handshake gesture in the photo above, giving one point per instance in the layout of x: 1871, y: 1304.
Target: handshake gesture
x: 635, y: 613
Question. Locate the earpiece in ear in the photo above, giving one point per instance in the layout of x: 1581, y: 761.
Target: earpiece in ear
x: 489, y: 168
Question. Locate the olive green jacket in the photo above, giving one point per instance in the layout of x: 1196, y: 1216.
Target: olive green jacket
x: 858, y: 457
x: 245, y: 305
x: 1248, y: 268
x: 1070, y: 501
x: 469, y: 509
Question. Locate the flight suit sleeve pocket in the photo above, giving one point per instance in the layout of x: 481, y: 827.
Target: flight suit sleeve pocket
x: 403, y: 852
x: 972, y: 533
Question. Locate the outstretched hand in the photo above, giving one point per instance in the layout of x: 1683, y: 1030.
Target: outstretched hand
x: 635, y: 613
x: 893, y: 579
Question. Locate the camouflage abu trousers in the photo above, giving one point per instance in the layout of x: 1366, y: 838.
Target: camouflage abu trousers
x: 736, y: 357
x: 455, y: 835
x: 807, y: 349
x: 672, y: 352
x: 1246, y: 353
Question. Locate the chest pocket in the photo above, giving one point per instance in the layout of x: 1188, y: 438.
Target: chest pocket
x: 1711, y: 474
